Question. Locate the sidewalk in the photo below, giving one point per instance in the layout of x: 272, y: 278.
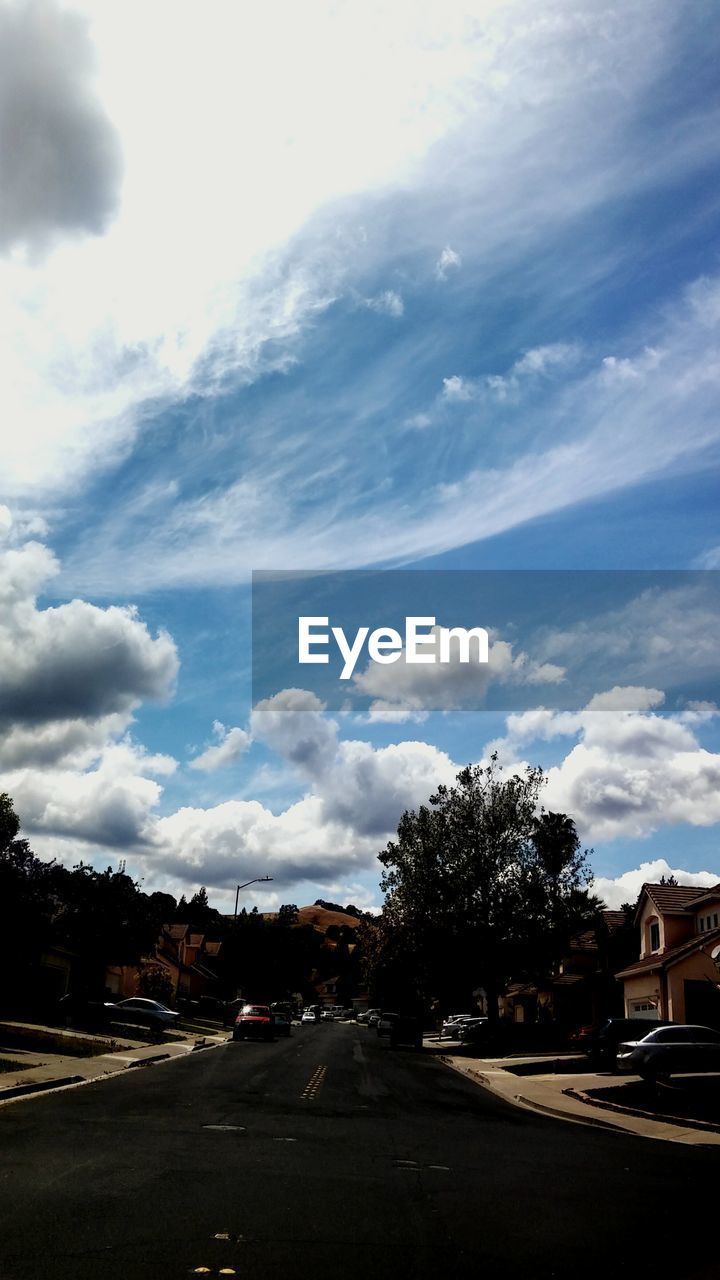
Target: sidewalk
x: 49, y: 1070
x: 566, y: 1095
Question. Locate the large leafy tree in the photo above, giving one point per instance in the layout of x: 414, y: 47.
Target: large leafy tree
x: 475, y: 883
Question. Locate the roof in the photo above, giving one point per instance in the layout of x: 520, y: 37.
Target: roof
x: 665, y: 959
x: 176, y: 931
x: 614, y: 920
x: 670, y: 899
x: 707, y: 895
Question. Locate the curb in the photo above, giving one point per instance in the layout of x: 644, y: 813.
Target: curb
x: 701, y: 1125
x: 38, y: 1086
x: 145, y: 1062
x: 520, y: 1100
x: 62, y: 1082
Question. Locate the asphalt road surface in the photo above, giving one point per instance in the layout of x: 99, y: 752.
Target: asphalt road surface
x: 331, y: 1155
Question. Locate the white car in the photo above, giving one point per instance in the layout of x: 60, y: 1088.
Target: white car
x: 308, y: 1016
x: 451, y: 1026
x: 670, y: 1050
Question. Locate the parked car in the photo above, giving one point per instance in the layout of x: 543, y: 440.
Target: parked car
x: 308, y: 1016
x: 373, y: 1017
x: 671, y: 1049
x: 385, y: 1023
x: 254, y: 1020
x: 479, y: 1031
x: 138, y: 1011
x: 367, y: 1014
x: 281, y: 1023
x: 602, y: 1043
x: 452, y: 1024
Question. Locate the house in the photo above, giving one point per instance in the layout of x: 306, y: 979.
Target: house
x: 582, y: 989
x: 187, y: 957
x: 678, y: 974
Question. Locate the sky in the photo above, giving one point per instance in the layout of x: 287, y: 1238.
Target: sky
x: 356, y: 287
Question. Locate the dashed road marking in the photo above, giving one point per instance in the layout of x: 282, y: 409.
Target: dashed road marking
x: 314, y: 1084
x: 226, y: 1128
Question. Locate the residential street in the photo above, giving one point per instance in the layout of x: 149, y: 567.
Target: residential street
x: 328, y: 1154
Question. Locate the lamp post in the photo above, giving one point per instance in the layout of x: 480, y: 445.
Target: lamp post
x: 257, y: 880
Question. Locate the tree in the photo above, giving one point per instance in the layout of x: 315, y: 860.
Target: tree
x: 287, y: 915
x: 473, y: 882
x: 155, y: 983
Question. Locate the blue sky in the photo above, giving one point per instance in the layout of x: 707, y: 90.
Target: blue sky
x: 434, y: 289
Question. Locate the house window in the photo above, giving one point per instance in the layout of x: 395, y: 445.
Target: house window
x: 715, y: 920
x: 655, y: 936
x: 702, y: 924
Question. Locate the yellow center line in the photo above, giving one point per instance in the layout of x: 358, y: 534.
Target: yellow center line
x: 315, y: 1083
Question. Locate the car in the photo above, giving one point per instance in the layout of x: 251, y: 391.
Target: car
x: 365, y: 1015
x: 373, y: 1017
x: 451, y: 1025
x: 308, y: 1016
x: 139, y: 1011
x: 385, y: 1023
x: 479, y: 1031
x: 254, y: 1021
x: 281, y: 1022
x: 468, y: 1026
x: 602, y: 1043
x: 670, y: 1050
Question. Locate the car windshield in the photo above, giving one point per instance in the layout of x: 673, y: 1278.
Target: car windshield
x: 256, y: 1010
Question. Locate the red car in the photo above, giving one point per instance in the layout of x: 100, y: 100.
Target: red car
x: 254, y: 1020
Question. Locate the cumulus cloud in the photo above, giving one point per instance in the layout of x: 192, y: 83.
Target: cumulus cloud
x: 73, y: 662
x: 231, y: 745
x: 60, y: 163
x: 110, y: 805
x: 630, y: 773
x: 408, y: 691
x: 626, y: 887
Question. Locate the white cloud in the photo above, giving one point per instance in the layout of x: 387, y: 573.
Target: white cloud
x: 457, y: 389
x: 110, y: 805
x: 448, y: 260
x: 626, y: 887
x: 406, y: 691
x: 630, y: 773
x: 388, y: 303
x: 232, y: 744
x: 73, y: 665
x: 59, y: 155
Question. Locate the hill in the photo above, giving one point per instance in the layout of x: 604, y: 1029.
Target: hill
x: 320, y: 918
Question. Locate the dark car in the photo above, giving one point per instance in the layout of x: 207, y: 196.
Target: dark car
x: 281, y: 1023
x: 254, y: 1021
x: 385, y: 1022
x: 142, y: 1012
x: 671, y: 1049
x: 602, y: 1042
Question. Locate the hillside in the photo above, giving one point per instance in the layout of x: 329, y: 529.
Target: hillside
x: 320, y: 918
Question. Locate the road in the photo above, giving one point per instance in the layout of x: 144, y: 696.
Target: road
x: 331, y: 1155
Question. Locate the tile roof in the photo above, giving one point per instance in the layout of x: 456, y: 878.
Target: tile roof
x: 665, y: 959
x: 670, y: 898
x: 707, y: 895
x: 613, y: 920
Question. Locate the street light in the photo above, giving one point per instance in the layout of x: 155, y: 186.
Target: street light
x: 257, y: 880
